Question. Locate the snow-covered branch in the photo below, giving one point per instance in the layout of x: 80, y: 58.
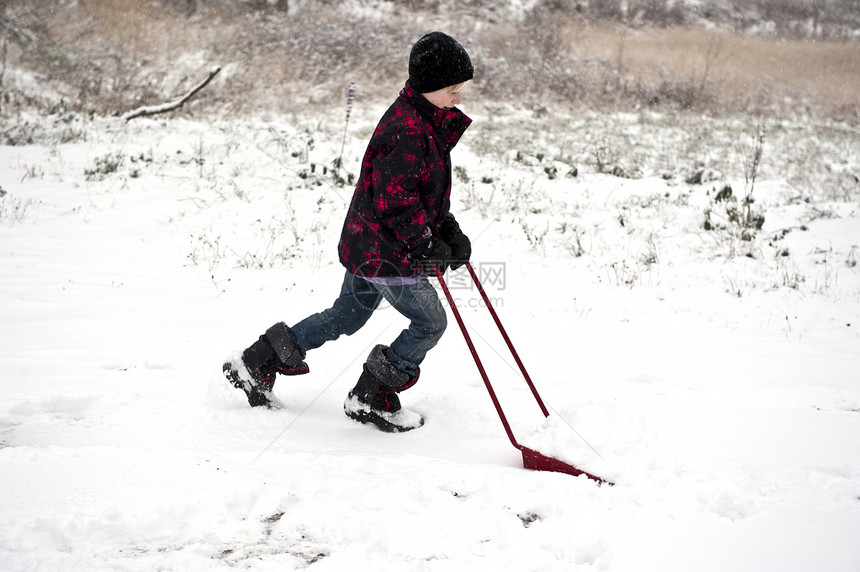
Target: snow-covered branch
x: 165, y: 107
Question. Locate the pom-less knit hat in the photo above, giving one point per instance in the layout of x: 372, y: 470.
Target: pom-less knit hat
x: 437, y: 60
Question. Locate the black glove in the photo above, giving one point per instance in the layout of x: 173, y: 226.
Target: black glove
x: 461, y: 246
x: 430, y: 253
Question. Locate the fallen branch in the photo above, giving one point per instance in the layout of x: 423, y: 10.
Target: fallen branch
x: 155, y: 109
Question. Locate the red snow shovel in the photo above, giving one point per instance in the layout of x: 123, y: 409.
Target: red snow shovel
x: 531, y: 458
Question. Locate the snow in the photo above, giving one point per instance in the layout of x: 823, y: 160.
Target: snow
x: 719, y: 391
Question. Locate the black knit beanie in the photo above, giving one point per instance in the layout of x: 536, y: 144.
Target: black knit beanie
x: 437, y: 60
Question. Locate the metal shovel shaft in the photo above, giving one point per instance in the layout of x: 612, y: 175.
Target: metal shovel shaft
x: 477, y: 359
x: 531, y: 459
x: 507, y: 339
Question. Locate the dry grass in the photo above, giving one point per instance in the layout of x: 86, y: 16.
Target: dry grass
x: 110, y: 55
x: 822, y: 73
x: 140, y: 30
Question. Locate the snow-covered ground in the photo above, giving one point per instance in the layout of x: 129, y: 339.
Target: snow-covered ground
x: 719, y: 390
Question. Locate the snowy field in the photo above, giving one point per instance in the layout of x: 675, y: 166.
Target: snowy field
x: 714, y: 379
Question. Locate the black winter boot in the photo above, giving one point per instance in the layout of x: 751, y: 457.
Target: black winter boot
x: 374, y: 398
x: 288, y: 356
x: 255, y: 370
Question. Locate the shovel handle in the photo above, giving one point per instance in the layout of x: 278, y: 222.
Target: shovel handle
x: 507, y: 340
x: 531, y: 459
x: 477, y: 359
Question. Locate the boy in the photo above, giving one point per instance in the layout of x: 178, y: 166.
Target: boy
x: 397, y: 228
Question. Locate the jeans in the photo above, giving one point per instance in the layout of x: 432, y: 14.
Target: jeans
x: 356, y: 303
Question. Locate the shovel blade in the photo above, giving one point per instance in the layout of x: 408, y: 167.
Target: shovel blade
x: 540, y: 462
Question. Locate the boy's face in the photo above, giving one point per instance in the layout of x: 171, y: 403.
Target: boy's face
x: 446, y: 98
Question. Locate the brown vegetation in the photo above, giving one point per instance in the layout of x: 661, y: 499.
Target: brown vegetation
x: 729, y: 69
x: 109, y: 56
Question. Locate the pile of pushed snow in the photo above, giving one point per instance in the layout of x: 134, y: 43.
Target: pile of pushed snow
x: 605, y: 440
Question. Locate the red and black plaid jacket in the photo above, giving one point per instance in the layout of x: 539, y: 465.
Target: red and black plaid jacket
x: 404, y: 187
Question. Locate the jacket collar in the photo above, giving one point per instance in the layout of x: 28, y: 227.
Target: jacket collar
x: 449, y: 124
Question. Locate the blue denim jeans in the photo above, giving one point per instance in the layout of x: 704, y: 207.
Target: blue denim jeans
x: 358, y: 300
